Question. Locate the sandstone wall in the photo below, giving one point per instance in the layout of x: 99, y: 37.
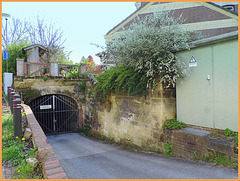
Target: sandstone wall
x: 133, y: 119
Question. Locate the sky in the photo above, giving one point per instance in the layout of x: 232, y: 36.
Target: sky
x: 82, y: 23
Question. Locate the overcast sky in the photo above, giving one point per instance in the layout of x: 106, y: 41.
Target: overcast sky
x: 82, y: 23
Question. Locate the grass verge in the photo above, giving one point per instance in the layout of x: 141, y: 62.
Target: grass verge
x: 19, y: 153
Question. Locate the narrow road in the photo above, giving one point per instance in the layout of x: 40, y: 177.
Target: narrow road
x: 85, y: 158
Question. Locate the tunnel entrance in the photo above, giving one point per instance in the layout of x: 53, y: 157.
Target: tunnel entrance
x: 55, y: 113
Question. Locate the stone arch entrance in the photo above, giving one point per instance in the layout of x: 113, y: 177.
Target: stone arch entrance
x: 55, y: 113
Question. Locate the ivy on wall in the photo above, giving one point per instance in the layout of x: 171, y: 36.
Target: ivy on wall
x: 121, y: 79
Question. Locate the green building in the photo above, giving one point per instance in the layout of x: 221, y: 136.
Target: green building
x: 209, y: 96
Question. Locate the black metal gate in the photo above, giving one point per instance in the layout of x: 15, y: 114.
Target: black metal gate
x: 55, y: 113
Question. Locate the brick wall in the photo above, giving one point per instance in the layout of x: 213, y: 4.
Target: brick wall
x: 51, y: 168
x: 185, y: 144
x: 191, y: 141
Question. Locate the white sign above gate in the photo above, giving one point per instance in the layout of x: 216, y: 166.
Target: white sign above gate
x: 46, y: 107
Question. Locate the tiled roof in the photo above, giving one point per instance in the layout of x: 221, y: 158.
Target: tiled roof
x: 143, y: 4
x: 33, y: 46
x: 193, y: 15
x: 233, y: 12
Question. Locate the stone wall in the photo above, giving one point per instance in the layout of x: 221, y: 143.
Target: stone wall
x: 134, y: 120
x: 31, y: 88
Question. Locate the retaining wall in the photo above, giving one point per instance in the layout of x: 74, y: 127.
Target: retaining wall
x: 135, y: 120
x: 191, y: 143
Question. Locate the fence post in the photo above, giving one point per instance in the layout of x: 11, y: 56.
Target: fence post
x: 17, y: 118
x: 20, y: 67
x: 54, y: 69
x: 25, y: 69
x: 11, y: 100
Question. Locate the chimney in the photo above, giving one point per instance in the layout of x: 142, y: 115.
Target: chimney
x: 138, y: 4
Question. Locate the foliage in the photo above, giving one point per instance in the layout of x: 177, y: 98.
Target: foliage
x: 82, y: 87
x: 174, y: 124
x: 73, y: 73
x: 236, y: 139
x: 86, y: 132
x: 15, y: 51
x: 83, y: 100
x: 226, y: 134
x: 28, y: 170
x: 223, y: 160
x: 62, y: 57
x: 84, y: 75
x: 158, y: 150
x: 148, y: 46
x: 45, y: 77
x: 89, y: 94
x: 195, y: 156
x: 229, y: 132
x: 17, y: 150
x: 25, y: 170
x: 89, y: 62
x: 91, y: 67
x: 120, y: 79
x: 168, y: 149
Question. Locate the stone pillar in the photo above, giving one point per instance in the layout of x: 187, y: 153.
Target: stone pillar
x: 82, y: 70
x: 20, y: 67
x: 54, y: 69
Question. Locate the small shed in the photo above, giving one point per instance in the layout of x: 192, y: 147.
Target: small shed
x: 36, y: 54
x: 209, y: 97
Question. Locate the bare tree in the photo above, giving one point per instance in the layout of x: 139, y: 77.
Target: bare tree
x: 38, y: 32
x: 46, y: 34
x: 16, y: 32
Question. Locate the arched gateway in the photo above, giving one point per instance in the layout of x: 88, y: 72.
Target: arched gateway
x: 55, y: 113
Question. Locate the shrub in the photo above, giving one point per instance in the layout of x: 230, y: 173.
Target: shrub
x: 168, y: 149
x: 148, y: 46
x: 229, y: 132
x: 73, y: 73
x: 15, y: 51
x: 45, y: 77
x: 121, y: 79
x: 236, y: 139
x: 223, y: 160
x: 174, y: 124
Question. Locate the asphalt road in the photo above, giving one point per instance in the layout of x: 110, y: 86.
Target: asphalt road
x: 86, y: 158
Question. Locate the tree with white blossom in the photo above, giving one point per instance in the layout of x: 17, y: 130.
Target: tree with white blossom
x: 148, y: 45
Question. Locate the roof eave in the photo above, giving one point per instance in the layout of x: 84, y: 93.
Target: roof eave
x: 126, y: 18
x: 35, y: 45
x: 222, y: 8
x: 215, y: 39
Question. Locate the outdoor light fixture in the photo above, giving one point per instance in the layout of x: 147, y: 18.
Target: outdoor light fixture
x: 6, y: 16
